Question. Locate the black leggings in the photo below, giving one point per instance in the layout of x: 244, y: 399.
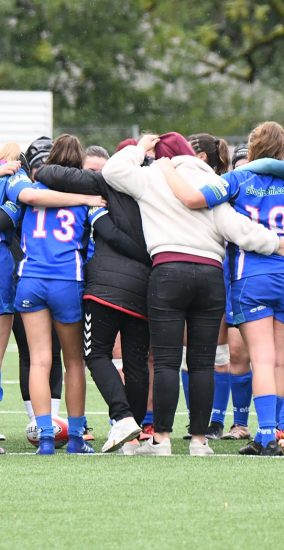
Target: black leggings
x: 102, y: 324
x: 194, y: 293
x: 55, y: 379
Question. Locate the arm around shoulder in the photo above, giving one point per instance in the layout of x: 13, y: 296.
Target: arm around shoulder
x: 72, y: 180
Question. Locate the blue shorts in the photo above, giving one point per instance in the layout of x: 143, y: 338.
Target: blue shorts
x: 258, y: 297
x: 64, y: 299
x: 7, y: 280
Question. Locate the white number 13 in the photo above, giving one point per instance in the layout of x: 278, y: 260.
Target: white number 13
x: 64, y: 234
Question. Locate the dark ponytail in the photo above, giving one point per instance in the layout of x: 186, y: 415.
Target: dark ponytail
x: 216, y: 150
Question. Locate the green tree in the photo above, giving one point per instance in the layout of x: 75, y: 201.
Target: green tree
x: 190, y: 66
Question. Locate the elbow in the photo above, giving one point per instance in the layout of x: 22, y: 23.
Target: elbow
x: 30, y: 200
x: 27, y: 196
x: 192, y: 203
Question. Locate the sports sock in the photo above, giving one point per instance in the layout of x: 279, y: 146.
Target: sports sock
x: 29, y: 409
x: 257, y: 438
x: 265, y: 406
x: 44, y: 425
x: 76, y: 426
x: 185, y: 385
x: 1, y: 389
x: 241, y: 388
x: 221, y: 396
x: 280, y: 413
x: 55, y: 404
x: 148, y: 418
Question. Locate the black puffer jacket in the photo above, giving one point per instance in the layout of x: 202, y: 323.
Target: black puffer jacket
x: 112, y: 277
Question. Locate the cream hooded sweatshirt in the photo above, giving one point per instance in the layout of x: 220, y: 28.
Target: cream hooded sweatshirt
x: 168, y: 225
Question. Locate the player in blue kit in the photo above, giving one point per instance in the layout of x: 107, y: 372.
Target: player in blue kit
x: 51, y: 285
x: 8, y: 165
x: 257, y: 281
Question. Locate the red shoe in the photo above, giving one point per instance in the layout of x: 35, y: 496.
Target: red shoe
x: 279, y: 435
x: 147, y: 432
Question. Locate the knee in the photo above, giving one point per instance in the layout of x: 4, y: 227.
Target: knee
x: 239, y: 361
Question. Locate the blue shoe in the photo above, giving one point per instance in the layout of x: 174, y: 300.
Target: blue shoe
x: 77, y: 445
x: 46, y: 446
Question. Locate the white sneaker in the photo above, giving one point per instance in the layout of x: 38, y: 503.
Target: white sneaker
x: 2, y: 437
x: 129, y: 448
x: 196, y: 448
x: 160, y: 449
x: 121, y: 431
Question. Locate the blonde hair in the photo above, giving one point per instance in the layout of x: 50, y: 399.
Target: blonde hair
x: 10, y: 151
x: 266, y: 140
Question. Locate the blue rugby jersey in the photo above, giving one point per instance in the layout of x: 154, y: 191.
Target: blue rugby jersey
x: 10, y: 187
x: 54, y: 240
x: 261, y: 197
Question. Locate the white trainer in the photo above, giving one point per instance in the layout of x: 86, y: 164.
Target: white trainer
x: 129, y: 448
x: 160, y: 449
x: 121, y: 431
x: 196, y: 448
x: 2, y: 437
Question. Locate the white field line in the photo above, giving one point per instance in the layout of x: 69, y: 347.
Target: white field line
x: 211, y: 457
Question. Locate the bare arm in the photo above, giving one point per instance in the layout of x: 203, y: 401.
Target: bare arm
x: 186, y: 193
x: 56, y: 199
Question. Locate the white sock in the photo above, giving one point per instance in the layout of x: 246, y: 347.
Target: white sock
x: 55, y: 405
x: 29, y: 409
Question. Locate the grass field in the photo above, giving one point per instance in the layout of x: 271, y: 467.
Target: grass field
x: 119, y: 502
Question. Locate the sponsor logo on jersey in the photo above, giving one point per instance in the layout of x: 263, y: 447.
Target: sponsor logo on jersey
x: 13, y: 180
x: 219, y: 189
x: 12, y: 206
x: 262, y: 192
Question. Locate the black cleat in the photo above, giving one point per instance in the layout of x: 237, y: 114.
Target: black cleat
x: 215, y: 430
x: 252, y: 449
x: 272, y: 449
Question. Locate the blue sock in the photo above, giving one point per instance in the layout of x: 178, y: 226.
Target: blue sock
x: 241, y: 388
x: 221, y: 396
x: 76, y: 426
x: 1, y: 389
x: 257, y: 438
x: 265, y: 406
x: 185, y: 385
x: 44, y: 425
x: 148, y: 418
x: 280, y: 413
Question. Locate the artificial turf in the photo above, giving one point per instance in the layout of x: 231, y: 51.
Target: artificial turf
x: 120, y: 502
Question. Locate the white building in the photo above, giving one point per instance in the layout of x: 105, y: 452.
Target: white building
x: 25, y: 116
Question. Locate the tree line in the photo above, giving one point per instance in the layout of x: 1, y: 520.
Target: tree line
x: 190, y: 66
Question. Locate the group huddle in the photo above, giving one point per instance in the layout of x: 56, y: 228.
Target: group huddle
x: 164, y: 246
